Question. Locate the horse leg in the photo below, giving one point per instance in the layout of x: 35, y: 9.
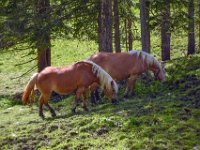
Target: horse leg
x: 94, y: 93
x: 93, y: 99
x: 129, y: 86
x: 79, y: 93
x: 53, y: 114
x: 97, y: 95
x: 132, y: 92
x: 74, y: 105
x: 85, y: 97
x: 41, y: 102
x: 132, y: 85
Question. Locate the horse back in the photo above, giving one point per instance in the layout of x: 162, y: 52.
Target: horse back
x: 84, y: 73
x: 118, y: 65
x: 60, y: 80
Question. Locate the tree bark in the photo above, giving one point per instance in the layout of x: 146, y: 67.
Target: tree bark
x: 191, y: 39
x: 144, y: 19
x: 130, y: 35
x: 105, y: 26
x: 42, y: 33
x: 165, y: 31
x: 199, y: 23
x: 126, y: 33
x: 116, y: 26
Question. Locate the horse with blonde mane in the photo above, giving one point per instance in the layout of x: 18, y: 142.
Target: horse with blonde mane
x: 128, y: 65
x: 78, y: 78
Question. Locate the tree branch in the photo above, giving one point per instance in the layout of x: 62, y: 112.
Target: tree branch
x: 26, y: 62
x: 27, y: 72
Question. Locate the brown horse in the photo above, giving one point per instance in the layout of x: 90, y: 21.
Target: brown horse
x: 78, y: 78
x: 128, y: 65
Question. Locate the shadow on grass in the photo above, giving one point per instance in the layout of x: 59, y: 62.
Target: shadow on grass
x: 7, y: 101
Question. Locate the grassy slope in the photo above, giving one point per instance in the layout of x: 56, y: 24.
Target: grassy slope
x: 158, y: 117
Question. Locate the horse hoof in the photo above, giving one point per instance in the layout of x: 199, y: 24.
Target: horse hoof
x: 114, y: 101
x: 86, y: 109
x: 53, y: 114
x: 73, y: 110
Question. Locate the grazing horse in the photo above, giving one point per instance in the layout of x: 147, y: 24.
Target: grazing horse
x: 78, y: 78
x: 128, y: 65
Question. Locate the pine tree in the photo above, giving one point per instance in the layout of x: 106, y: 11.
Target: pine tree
x: 116, y: 26
x: 144, y: 18
x: 191, y: 39
x: 42, y: 32
x: 165, y: 31
x: 105, y: 26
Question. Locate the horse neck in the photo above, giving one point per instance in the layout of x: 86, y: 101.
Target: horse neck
x: 151, y: 63
x: 154, y: 67
x: 105, y: 80
x: 141, y: 65
x: 103, y: 77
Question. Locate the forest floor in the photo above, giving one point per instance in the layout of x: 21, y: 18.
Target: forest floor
x: 158, y: 116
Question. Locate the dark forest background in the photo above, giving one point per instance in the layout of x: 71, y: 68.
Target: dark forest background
x: 115, y: 25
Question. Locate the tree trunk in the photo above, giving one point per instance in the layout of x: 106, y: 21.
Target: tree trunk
x: 99, y: 23
x: 191, y: 39
x: 105, y: 26
x: 165, y: 31
x: 130, y: 35
x: 42, y: 33
x: 116, y: 26
x: 199, y: 23
x: 126, y: 33
x: 144, y: 19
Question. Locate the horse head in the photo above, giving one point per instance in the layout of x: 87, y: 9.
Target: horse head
x: 152, y: 64
x: 158, y: 71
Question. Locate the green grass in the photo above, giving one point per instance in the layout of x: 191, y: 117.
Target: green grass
x: 159, y: 116
x: 141, y: 123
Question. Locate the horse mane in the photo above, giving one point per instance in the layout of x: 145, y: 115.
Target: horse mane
x: 146, y: 57
x: 104, y: 77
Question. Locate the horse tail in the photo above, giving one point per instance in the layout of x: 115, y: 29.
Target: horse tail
x: 29, y: 90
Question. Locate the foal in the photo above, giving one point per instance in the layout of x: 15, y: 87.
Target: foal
x: 76, y: 78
